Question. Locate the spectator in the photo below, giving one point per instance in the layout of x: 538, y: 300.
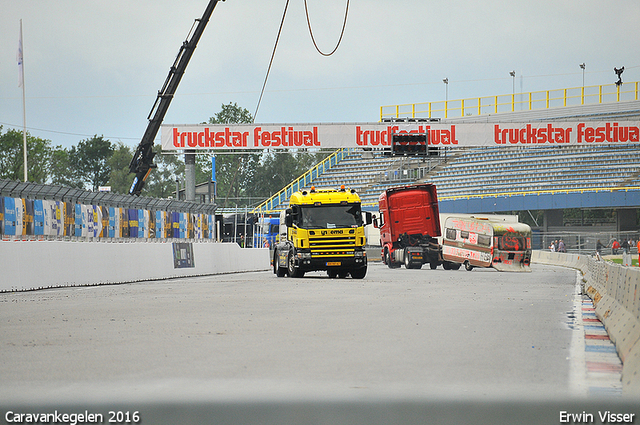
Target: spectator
x: 626, y: 253
x: 552, y: 247
x: 615, y: 246
x: 599, y: 247
x: 561, y: 247
x: 625, y: 246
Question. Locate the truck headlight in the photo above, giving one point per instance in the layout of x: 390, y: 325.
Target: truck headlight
x: 304, y: 255
x: 360, y: 254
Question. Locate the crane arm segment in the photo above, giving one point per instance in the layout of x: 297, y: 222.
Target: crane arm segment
x: 142, y: 162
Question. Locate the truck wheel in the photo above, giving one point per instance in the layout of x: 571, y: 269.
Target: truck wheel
x: 409, y: 264
x: 359, y: 273
x: 279, y: 271
x: 467, y: 266
x: 292, y: 269
x: 332, y: 274
x: 433, y: 265
x: 388, y: 260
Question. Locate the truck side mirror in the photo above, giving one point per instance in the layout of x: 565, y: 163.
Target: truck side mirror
x: 375, y: 222
x: 288, y: 217
x: 368, y: 218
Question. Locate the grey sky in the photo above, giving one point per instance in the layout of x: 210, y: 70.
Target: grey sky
x: 94, y: 67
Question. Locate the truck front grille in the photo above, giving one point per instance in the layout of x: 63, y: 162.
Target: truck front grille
x: 332, y: 246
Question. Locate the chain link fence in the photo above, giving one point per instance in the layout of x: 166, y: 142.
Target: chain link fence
x: 587, y: 242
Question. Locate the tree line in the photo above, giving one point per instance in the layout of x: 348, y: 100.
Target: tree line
x: 241, y: 178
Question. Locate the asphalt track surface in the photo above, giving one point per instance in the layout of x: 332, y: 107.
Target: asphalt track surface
x: 412, y: 332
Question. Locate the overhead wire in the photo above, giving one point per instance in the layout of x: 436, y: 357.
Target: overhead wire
x: 344, y: 24
x: 275, y: 46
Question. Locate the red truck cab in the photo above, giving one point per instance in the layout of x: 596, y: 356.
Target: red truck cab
x: 409, y: 225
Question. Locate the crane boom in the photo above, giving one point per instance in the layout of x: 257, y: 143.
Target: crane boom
x: 142, y: 162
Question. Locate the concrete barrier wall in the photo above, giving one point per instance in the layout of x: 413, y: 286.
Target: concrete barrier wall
x: 615, y: 291
x: 27, y: 265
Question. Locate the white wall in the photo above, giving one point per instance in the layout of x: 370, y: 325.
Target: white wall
x: 26, y: 265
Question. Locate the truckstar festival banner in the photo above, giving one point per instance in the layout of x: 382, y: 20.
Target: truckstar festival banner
x: 378, y: 135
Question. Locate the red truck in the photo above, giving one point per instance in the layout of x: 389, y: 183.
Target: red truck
x: 409, y: 226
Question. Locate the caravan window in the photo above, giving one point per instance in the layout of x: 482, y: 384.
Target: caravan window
x: 450, y: 234
x: 484, y: 240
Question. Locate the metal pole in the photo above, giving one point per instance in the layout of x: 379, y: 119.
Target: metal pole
x: 235, y: 225
x: 245, y: 226
x: 24, y: 107
x: 190, y: 175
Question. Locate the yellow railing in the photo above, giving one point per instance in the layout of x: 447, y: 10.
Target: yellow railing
x: 528, y: 193
x: 542, y: 192
x: 575, y: 96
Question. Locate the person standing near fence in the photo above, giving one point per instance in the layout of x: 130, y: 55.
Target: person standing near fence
x: 615, y: 246
x: 561, y: 247
x: 626, y: 253
x: 599, y: 247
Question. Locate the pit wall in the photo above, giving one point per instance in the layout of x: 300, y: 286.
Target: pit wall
x: 615, y: 291
x: 28, y: 265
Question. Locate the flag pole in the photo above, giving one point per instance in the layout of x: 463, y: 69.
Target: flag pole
x: 24, y: 107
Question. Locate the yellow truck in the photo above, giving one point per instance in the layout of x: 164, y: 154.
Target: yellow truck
x: 322, y: 230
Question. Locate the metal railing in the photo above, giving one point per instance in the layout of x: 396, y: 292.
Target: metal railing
x: 540, y: 192
x: 29, y: 190
x: 528, y: 101
x: 586, y: 242
x: 528, y: 193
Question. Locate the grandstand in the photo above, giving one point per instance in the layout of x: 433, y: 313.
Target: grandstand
x: 493, y: 171
x: 482, y: 171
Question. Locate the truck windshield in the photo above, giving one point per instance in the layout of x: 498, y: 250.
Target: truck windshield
x: 330, y: 216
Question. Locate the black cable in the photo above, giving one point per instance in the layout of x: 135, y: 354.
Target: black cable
x: 271, y: 61
x: 344, y: 24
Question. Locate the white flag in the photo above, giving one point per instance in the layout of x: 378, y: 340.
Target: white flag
x: 19, y: 58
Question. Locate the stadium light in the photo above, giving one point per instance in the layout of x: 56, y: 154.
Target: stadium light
x: 513, y: 75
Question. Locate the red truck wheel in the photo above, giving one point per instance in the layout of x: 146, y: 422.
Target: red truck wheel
x: 388, y: 261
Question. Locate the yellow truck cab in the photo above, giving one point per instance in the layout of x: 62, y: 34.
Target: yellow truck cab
x: 324, y: 231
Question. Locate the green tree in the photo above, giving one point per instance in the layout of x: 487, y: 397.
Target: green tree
x: 278, y: 169
x: 12, y: 157
x: 91, y: 161
x: 162, y: 181
x: 61, y: 171
x: 232, y: 114
x: 120, y: 179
